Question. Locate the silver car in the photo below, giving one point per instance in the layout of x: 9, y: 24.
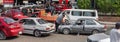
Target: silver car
x: 36, y: 26
x: 82, y: 26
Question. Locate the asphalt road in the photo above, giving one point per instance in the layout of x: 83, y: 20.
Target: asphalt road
x: 48, y: 38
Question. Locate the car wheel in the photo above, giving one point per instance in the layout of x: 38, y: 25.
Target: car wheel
x: 66, y: 31
x: 2, y: 35
x: 37, y: 33
x: 95, y: 31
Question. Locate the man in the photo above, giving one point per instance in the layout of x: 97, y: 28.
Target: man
x: 59, y: 21
x: 115, y: 33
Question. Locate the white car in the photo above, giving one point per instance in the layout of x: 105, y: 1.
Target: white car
x: 75, y: 14
x: 36, y: 26
x: 101, y: 37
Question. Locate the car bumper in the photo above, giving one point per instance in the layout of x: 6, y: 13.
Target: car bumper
x: 47, y: 32
x: 16, y: 32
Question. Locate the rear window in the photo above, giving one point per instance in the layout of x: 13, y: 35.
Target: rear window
x: 41, y: 21
x: 17, y: 11
x: 9, y: 20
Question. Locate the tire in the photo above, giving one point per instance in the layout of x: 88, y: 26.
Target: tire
x: 37, y: 33
x: 66, y: 31
x: 2, y: 36
x: 95, y: 31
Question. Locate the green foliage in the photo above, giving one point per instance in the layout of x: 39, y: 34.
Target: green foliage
x: 105, y: 6
x: 84, y: 4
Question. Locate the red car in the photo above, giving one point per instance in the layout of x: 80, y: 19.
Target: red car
x: 9, y: 28
x: 14, y: 13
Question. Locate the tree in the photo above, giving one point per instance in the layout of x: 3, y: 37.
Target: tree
x: 84, y: 4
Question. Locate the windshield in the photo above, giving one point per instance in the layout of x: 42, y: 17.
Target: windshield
x: 17, y: 11
x: 41, y: 21
x: 8, y: 20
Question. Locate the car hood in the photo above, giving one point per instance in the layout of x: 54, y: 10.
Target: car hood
x: 105, y: 40
x: 97, y: 37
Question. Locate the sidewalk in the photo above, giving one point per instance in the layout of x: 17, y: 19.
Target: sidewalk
x: 108, y: 23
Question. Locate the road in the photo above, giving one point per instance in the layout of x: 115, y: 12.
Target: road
x: 48, y: 38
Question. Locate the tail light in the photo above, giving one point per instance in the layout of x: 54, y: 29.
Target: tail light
x: 47, y: 28
x: 12, y: 26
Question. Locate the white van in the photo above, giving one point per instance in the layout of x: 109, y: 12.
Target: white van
x: 74, y: 14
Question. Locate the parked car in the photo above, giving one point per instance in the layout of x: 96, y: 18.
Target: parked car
x: 9, y: 28
x: 101, y: 37
x: 36, y: 26
x: 74, y: 14
x: 15, y: 14
x: 82, y: 26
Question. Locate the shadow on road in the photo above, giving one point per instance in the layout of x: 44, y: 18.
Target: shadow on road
x: 34, y: 36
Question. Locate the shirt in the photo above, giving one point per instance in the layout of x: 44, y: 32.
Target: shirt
x: 115, y: 35
x: 59, y: 19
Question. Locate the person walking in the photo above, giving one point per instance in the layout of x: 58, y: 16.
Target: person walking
x: 59, y: 21
x: 115, y: 33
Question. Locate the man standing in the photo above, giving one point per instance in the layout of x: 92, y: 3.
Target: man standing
x: 115, y: 33
x: 59, y: 21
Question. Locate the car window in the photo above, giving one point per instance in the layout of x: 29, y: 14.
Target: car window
x: 29, y: 22
x: 90, y: 22
x: 41, y: 21
x: 9, y: 20
x: 17, y: 11
x: 76, y: 13
x: 89, y: 14
x: 79, y: 22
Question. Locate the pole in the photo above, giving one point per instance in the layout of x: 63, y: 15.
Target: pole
x: 15, y: 2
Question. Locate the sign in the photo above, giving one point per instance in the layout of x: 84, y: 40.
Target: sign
x: 8, y: 1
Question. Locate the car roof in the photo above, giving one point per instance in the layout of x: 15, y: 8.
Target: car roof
x: 81, y: 9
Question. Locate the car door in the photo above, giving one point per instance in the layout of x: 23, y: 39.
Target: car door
x: 29, y: 26
x: 89, y: 25
x: 78, y: 26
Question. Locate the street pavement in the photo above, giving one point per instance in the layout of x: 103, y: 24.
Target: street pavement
x: 48, y: 38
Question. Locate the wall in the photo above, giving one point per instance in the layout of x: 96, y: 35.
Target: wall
x: 109, y: 18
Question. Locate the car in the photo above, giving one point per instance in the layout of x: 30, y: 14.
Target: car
x: 82, y: 25
x: 101, y: 37
x: 15, y: 14
x: 74, y: 14
x: 9, y: 28
x: 36, y: 26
